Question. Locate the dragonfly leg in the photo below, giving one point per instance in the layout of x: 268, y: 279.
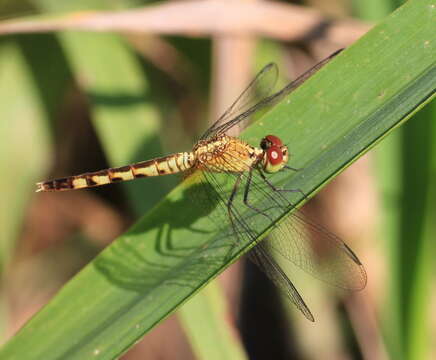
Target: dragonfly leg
x: 271, y: 185
x: 231, y: 198
x: 234, y: 191
x: 291, y: 168
x: 232, y: 217
x: 247, y: 189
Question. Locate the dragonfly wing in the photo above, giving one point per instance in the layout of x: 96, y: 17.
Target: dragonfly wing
x: 260, y: 87
x: 306, y: 244
x: 241, y: 231
x: 222, y: 125
x: 318, y: 252
x: 255, y: 207
x: 261, y: 256
x: 299, y: 240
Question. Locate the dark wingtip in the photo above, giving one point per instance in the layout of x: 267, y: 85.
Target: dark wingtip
x: 352, y: 255
x: 308, y: 314
x: 337, y: 52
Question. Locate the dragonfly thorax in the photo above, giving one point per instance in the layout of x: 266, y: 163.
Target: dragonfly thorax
x: 276, y: 154
x: 226, y: 154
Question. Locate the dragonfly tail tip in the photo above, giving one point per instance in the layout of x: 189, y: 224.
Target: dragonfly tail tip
x: 39, y: 187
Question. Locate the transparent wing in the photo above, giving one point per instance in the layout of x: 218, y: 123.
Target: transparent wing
x: 318, y: 252
x: 260, y: 87
x: 262, y: 258
x: 256, y: 206
x: 241, y: 230
x: 228, y: 120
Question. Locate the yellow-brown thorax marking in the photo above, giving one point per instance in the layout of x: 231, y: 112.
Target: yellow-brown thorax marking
x: 226, y: 154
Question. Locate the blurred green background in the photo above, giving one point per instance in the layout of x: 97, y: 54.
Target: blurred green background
x: 72, y: 102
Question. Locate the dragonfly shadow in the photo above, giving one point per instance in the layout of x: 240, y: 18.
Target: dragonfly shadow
x: 162, y: 259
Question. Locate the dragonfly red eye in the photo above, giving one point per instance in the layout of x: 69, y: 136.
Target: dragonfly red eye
x: 270, y: 140
x: 275, y: 155
x: 274, y: 140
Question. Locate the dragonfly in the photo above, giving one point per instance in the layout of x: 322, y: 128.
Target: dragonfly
x: 249, y: 169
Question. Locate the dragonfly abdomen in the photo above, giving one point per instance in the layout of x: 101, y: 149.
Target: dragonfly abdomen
x: 161, y: 166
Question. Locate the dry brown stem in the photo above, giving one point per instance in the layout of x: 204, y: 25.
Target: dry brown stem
x: 203, y: 18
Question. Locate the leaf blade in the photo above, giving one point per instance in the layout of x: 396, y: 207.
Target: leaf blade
x: 138, y: 281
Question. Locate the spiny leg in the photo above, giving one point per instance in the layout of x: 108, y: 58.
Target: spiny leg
x: 230, y: 202
x: 291, y: 168
x: 234, y: 191
x: 273, y: 187
x: 247, y: 189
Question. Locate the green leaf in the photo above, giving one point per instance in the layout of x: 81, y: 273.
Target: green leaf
x: 171, y: 252
x: 415, y: 243
x: 209, y: 330
x: 24, y: 135
x: 407, y: 176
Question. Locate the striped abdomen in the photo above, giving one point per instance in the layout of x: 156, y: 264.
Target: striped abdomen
x: 161, y: 166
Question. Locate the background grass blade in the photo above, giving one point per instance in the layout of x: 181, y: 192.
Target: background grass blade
x: 25, y: 136
x: 25, y: 111
x: 205, y: 317
x: 164, y: 259
x: 415, y: 244
x: 28, y: 104
x: 406, y: 170
x: 126, y: 122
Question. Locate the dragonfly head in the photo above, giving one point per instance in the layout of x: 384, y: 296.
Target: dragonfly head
x: 275, y: 154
